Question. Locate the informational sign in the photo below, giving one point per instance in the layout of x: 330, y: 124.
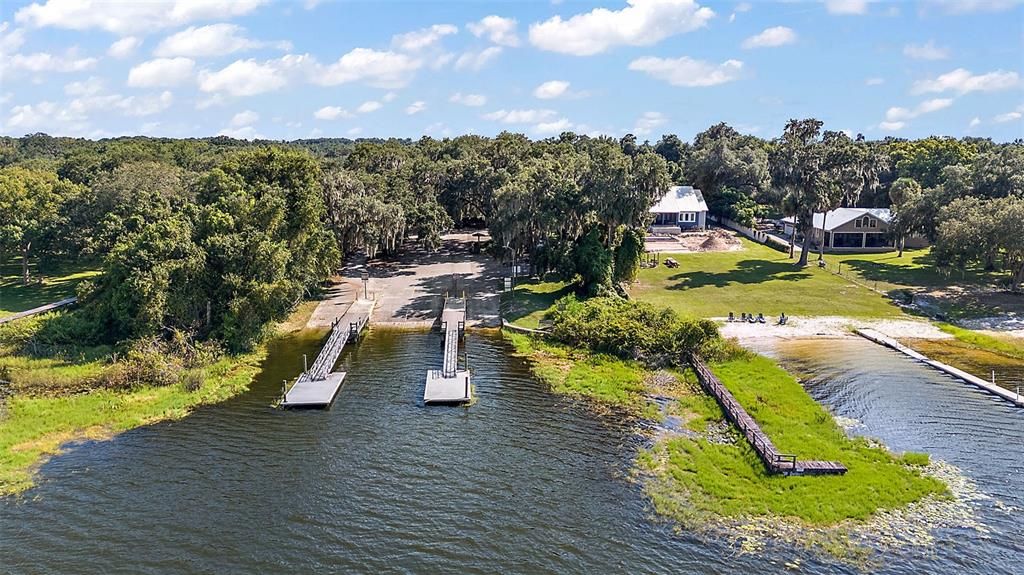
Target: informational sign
x: 508, y: 284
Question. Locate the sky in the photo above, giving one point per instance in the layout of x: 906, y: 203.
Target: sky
x: 308, y: 68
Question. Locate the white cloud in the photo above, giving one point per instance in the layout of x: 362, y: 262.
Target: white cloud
x: 331, y: 113
x: 212, y: 40
x: 245, y: 118
x: 687, y: 71
x: 976, y: 121
x: 389, y: 97
x: 846, y: 6
x: 369, y: 106
x: 521, y: 116
x: 354, y: 131
x: 892, y: 126
x: 146, y: 105
x: 92, y: 86
x: 874, y: 81
x: 55, y: 119
x: 241, y: 133
x: 640, y: 23
x: 244, y: 78
x: 897, y: 114
x: 926, y: 51
x: 376, y: 68
x: 416, y: 107
x: 646, y: 123
x: 970, y: 6
x: 473, y: 100
x: 45, y: 62
x: 422, y: 39
x: 161, y: 72
x: 477, y: 60
x: 771, y: 37
x: 1008, y: 117
x: 739, y: 9
x: 963, y: 81
x: 551, y: 89
x: 496, y: 29
x: 551, y: 128
x: 124, y: 47
x: 130, y: 17
x: 10, y: 41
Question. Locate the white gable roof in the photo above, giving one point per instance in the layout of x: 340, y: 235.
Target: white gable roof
x: 840, y: 216
x: 681, y: 199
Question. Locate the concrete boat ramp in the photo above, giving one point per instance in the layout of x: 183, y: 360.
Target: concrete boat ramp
x: 319, y: 384
x: 450, y: 385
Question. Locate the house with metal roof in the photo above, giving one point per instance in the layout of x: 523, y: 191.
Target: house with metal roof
x: 853, y: 229
x: 683, y: 207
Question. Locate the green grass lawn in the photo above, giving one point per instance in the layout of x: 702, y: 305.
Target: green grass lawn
x: 57, y: 282
x: 915, y: 269
x: 526, y: 306
x: 695, y: 479
x: 756, y: 279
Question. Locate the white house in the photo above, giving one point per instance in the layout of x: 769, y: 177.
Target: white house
x: 682, y: 207
x: 853, y: 229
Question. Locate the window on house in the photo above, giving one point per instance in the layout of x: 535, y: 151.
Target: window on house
x: 856, y: 224
x: 873, y: 223
x: 689, y: 217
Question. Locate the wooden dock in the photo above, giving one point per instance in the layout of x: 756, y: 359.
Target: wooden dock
x: 39, y: 310
x: 319, y: 384
x: 774, y: 461
x: 990, y: 387
x: 450, y: 384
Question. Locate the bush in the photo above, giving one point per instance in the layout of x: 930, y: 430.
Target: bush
x: 631, y: 330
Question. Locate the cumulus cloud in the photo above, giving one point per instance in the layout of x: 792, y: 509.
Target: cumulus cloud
x: 244, y: 118
x: 688, y: 72
x: 646, y: 123
x: 212, y: 40
x: 975, y: 122
x: 376, y: 68
x: 477, y: 60
x: 1010, y: 116
x: 243, y: 78
x: 129, y: 17
x: 124, y: 47
x: 898, y: 114
x: 496, y: 29
x: 369, y: 106
x: 551, y: 89
x: 926, y: 51
x: 89, y: 87
x: 962, y: 81
x: 161, y: 72
x: 422, y: 39
x: 521, y: 116
x: 332, y: 113
x: 846, y: 7
x: 891, y: 126
x: 45, y: 62
x: 640, y: 23
x: 552, y: 128
x: 771, y: 37
x: 45, y: 115
x: 874, y: 81
x: 416, y: 107
x: 473, y: 100
x: 970, y: 6
x: 10, y: 41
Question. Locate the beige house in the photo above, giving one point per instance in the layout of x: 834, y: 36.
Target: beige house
x: 853, y: 229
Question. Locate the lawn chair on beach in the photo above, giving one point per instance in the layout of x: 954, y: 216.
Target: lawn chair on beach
x: 760, y: 318
x: 783, y: 319
x: 732, y: 318
x: 750, y: 318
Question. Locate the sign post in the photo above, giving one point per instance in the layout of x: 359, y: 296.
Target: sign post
x: 366, y: 279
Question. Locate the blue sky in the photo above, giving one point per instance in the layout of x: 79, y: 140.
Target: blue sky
x: 306, y: 68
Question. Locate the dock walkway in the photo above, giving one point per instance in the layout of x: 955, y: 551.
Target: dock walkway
x: 891, y: 343
x: 319, y: 384
x: 774, y: 461
x: 39, y: 310
x: 450, y: 384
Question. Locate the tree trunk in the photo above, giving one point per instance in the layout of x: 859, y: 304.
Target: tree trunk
x: 903, y: 241
x: 821, y: 240
x: 792, y: 243
x: 806, y: 248
x: 24, y: 263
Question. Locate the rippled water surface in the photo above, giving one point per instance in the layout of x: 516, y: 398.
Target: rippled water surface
x: 520, y: 482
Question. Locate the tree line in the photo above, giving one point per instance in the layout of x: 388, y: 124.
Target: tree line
x: 218, y: 237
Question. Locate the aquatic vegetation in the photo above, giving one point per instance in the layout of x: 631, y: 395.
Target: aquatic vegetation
x: 969, y: 339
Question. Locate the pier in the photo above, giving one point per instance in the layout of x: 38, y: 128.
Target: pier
x: 450, y: 384
x: 774, y: 461
x: 318, y: 385
x: 990, y: 387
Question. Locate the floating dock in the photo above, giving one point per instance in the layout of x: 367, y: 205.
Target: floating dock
x: 990, y: 387
x: 319, y: 385
x: 450, y: 384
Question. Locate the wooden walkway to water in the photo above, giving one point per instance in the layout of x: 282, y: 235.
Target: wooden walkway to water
x: 450, y: 384
x: 774, y: 461
x: 319, y: 385
x: 40, y: 309
x: 891, y: 343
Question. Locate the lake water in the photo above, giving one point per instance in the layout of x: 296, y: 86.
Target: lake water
x: 522, y: 481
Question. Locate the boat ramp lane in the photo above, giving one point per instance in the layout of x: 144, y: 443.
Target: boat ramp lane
x: 450, y: 384
x: 319, y: 384
x: 990, y: 387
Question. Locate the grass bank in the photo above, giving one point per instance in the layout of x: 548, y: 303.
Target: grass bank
x: 756, y: 279
x: 1007, y: 346
x: 46, y: 286
x: 531, y: 299
x: 704, y: 474
x: 55, y: 399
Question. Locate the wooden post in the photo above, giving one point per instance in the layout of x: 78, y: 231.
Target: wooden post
x: 305, y: 368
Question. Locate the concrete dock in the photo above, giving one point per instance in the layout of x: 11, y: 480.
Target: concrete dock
x: 988, y: 386
x: 450, y: 384
x: 318, y: 386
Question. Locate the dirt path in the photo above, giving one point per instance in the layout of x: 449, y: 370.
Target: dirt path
x: 830, y: 327
x: 410, y: 288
